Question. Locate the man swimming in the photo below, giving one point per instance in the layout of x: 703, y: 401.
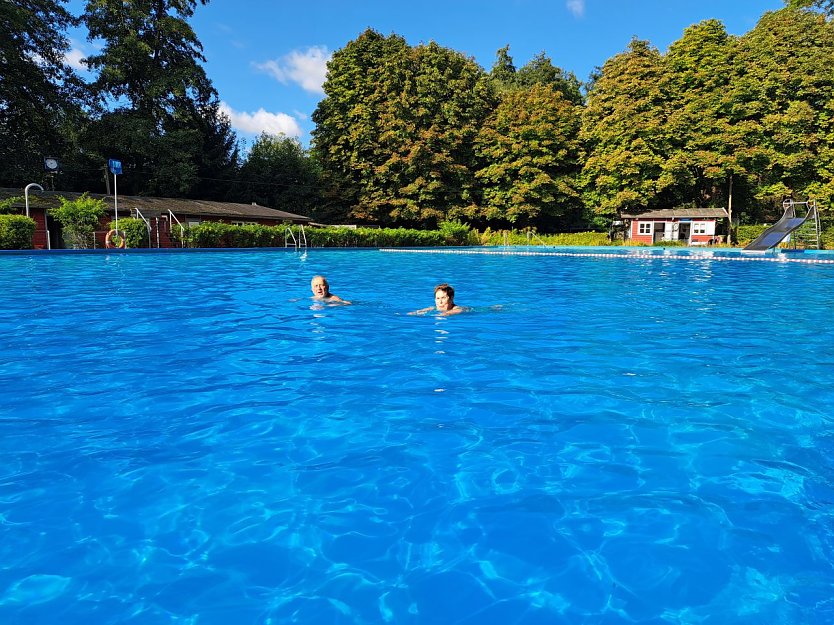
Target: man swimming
x: 321, y: 291
x: 444, y: 302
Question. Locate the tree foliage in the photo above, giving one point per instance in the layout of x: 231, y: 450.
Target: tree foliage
x: 279, y: 173
x: 781, y: 103
x: 159, y: 109
x: 396, y: 129
x: 624, y: 133
x: 40, y: 95
x: 529, y: 154
x: 538, y: 71
x: 701, y: 150
x: 826, y: 6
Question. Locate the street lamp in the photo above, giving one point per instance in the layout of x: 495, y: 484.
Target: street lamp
x: 26, y: 193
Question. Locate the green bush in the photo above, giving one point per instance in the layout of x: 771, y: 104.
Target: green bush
x: 135, y: 230
x: 457, y: 233
x: 79, y: 219
x: 747, y: 234
x: 16, y: 232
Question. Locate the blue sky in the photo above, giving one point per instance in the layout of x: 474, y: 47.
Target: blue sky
x: 267, y: 59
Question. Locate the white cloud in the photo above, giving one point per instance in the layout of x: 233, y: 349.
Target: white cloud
x: 577, y: 7
x: 262, y: 121
x: 307, y: 68
x: 75, y: 59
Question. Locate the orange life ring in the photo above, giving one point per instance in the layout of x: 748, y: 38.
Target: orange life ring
x: 108, y: 240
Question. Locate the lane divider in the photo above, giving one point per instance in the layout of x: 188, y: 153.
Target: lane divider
x: 781, y: 258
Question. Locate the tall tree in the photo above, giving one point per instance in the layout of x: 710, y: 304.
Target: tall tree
x: 40, y: 96
x: 218, y: 160
x: 503, y: 71
x: 348, y: 117
x: 623, y: 133
x: 701, y: 151
x: 397, y: 128
x: 529, y: 149
x: 781, y: 105
x: 541, y: 71
x: 160, y: 107
x: 279, y: 173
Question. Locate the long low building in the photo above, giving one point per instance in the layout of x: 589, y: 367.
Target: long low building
x: 161, y: 214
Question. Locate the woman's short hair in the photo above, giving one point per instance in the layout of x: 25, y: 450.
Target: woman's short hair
x: 448, y: 289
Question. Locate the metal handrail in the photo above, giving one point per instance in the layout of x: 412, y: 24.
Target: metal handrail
x: 148, y: 226
x: 288, y: 234
x: 182, y: 228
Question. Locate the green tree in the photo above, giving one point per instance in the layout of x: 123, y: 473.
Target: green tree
x: 348, y: 117
x: 529, y: 150
x: 503, y: 71
x: 623, y: 133
x: 397, y: 127
x: 218, y: 160
x: 826, y: 6
x: 701, y: 146
x: 541, y: 71
x: 279, y: 173
x: 79, y: 219
x: 39, y: 93
x: 160, y: 109
x: 781, y: 106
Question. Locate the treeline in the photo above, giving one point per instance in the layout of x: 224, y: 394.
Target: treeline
x: 420, y: 135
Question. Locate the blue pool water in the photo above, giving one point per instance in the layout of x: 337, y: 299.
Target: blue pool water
x: 185, y: 439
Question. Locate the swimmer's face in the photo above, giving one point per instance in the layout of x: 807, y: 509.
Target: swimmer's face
x: 442, y: 301
x: 319, y: 287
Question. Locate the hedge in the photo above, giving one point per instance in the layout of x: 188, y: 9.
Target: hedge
x: 16, y: 232
x: 528, y: 237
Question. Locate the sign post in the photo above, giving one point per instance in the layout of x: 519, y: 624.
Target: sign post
x: 115, y: 169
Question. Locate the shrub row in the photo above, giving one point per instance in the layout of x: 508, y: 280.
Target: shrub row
x: 16, y: 232
x: 215, y: 234
x: 528, y: 237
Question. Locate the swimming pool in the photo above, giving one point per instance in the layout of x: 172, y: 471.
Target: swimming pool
x: 185, y: 439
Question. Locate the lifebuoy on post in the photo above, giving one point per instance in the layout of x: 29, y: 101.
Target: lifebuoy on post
x: 108, y: 240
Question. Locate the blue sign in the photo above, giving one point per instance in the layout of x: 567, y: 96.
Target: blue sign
x: 115, y: 166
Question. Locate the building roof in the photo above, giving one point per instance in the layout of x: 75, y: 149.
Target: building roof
x: 679, y: 213
x: 153, y: 206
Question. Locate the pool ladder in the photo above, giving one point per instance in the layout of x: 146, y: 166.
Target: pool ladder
x: 290, y: 239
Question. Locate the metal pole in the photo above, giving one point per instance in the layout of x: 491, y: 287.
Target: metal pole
x: 730, y: 213
x: 26, y: 195
x: 116, y: 201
